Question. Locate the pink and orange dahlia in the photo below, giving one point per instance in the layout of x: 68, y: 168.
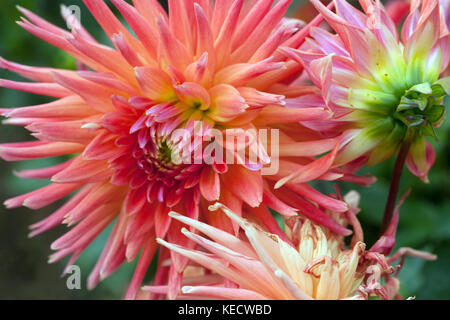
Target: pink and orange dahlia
x: 205, y: 67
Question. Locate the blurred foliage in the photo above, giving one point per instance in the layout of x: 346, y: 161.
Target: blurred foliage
x: 25, y: 274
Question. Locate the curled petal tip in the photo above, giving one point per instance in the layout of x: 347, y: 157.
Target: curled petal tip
x: 160, y: 241
x: 187, y: 289
x: 216, y: 206
x: 174, y: 214
x: 280, y: 183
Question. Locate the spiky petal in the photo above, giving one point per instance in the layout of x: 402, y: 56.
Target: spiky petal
x: 203, y: 67
x: 314, y: 264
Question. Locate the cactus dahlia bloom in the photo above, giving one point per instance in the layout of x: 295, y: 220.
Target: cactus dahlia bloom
x: 385, y: 91
x: 206, y: 64
x: 314, y: 264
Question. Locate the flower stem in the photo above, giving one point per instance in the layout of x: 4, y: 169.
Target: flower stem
x: 395, y: 184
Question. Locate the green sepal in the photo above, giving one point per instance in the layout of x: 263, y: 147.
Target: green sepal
x: 429, y: 131
x: 438, y: 91
x: 434, y: 113
x: 406, y: 104
x: 420, y: 102
x: 424, y: 88
x: 414, y: 120
x: 444, y: 83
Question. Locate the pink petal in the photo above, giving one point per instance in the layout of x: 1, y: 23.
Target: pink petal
x: 245, y: 184
x: 210, y: 184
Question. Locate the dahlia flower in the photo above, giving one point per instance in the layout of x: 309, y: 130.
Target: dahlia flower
x: 314, y: 264
x: 385, y: 90
x: 204, y: 67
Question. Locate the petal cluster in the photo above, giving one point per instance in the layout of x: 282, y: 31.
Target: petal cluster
x: 384, y: 89
x: 313, y: 264
x: 203, y: 67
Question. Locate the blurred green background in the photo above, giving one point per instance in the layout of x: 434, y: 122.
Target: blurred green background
x: 25, y: 274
